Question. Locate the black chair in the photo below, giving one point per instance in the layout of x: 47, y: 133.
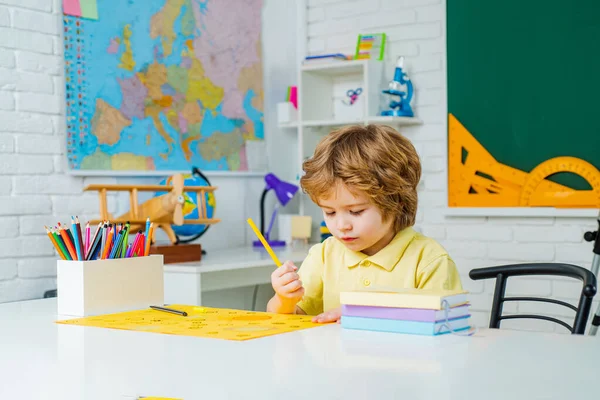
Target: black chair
x: 503, y: 272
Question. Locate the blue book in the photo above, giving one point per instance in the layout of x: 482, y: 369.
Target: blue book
x: 410, y: 327
x: 326, y: 57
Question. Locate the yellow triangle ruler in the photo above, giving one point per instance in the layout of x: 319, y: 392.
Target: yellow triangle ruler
x: 476, y: 179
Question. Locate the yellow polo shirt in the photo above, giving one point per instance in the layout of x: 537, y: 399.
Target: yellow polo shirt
x: 410, y: 260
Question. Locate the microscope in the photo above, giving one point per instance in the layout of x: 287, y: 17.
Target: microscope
x: 400, y: 99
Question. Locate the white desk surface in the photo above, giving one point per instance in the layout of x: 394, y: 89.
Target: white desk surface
x: 239, y: 258
x: 43, y: 360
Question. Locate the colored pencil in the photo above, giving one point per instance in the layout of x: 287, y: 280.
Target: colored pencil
x: 87, y: 238
x: 124, y: 249
x: 128, y: 251
x: 64, y: 233
x: 95, y: 245
x: 108, y: 240
x: 149, y: 240
x: 135, y: 243
x: 264, y: 242
x: 115, y: 243
x: 56, y: 246
x: 70, y: 234
x: 147, y: 230
x: 61, y: 244
x: 93, y: 240
x: 108, y: 244
x: 76, y: 239
x: 79, y: 237
x: 169, y: 310
x: 117, y: 247
x: 124, y: 243
x: 141, y: 246
x: 104, y: 237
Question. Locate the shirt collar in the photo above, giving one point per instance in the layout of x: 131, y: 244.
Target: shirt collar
x: 386, y: 258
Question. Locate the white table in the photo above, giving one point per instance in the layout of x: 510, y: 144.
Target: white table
x: 224, y: 269
x: 43, y: 360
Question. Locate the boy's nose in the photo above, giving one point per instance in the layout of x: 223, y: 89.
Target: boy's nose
x: 344, y: 226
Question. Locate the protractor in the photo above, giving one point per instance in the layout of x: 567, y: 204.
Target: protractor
x: 534, y: 195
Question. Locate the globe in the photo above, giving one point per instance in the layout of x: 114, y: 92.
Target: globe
x: 190, y: 206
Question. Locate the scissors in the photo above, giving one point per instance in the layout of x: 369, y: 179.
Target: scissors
x: 353, y: 94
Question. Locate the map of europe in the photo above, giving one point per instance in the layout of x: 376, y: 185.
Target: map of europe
x: 164, y: 85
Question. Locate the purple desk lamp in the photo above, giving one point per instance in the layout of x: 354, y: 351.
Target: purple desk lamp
x: 284, y: 192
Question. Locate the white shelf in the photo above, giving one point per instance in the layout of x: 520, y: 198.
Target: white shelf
x: 375, y: 120
x: 323, y: 103
x: 331, y: 122
x: 399, y: 121
x: 394, y: 120
x: 289, y: 125
x: 335, y: 68
x: 521, y: 212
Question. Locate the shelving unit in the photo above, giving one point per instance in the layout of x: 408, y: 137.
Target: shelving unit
x: 323, y: 104
x: 371, y: 120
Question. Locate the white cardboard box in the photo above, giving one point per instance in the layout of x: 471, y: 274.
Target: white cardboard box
x: 96, y: 287
x: 286, y: 113
x: 285, y: 227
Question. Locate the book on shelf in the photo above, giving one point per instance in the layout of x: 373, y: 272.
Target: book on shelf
x: 325, y: 58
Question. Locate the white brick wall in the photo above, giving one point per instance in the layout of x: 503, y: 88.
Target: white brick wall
x: 416, y: 30
x: 33, y: 193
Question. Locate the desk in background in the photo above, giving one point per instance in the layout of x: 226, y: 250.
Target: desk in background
x: 224, y: 269
x: 43, y: 360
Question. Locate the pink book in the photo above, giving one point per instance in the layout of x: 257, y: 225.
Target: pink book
x: 72, y: 7
x: 294, y: 96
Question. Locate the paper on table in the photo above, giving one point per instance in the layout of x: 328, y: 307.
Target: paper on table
x: 157, y: 398
x: 72, y: 7
x: 206, y: 322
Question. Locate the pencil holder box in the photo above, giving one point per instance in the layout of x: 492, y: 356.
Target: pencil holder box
x: 96, y: 287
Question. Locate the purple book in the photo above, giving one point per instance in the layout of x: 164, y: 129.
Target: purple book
x: 406, y: 314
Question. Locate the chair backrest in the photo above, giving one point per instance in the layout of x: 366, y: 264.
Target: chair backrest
x: 503, y: 272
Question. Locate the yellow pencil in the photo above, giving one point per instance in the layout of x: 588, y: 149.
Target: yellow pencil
x: 55, y: 243
x: 149, y: 239
x: 264, y: 242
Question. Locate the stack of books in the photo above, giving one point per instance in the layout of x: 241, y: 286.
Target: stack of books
x: 411, y: 311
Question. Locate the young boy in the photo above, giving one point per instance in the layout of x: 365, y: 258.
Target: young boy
x: 365, y: 179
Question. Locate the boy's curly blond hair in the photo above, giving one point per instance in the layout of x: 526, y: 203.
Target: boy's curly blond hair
x: 373, y: 159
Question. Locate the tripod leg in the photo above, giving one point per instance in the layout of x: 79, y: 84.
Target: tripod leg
x: 595, y: 322
x: 596, y: 319
x: 595, y: 237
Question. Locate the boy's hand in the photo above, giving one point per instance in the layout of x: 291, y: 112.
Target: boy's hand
x: 330, y: 316
x: 286, y: 283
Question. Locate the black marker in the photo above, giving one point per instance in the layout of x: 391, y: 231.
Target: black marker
x: 169, y: 310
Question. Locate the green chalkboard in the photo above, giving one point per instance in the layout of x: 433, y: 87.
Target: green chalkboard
x: 524, y: 79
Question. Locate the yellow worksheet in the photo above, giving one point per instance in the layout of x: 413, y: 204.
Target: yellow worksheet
x: 207, y: 322
x: 157, y: 398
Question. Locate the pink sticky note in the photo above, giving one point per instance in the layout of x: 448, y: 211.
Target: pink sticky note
x: 72, y: 7
x: 294, y: 96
